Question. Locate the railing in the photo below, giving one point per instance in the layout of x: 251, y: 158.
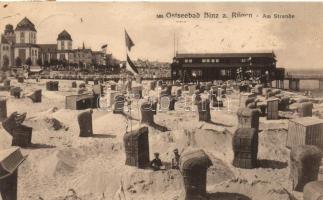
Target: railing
x: 303, y: 76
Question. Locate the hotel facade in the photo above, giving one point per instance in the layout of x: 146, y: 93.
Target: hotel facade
x: 19, y: 46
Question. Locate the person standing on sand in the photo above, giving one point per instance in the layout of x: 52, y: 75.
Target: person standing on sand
x: 175, y: 159
x: 309, y: 93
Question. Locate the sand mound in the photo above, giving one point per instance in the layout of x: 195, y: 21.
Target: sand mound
x: 243, y: 190
x: 146, y: 182
x: 216, y: 140
x: 90, y: 169
x: 95, y: 167
x: 55, y: 124
x: 45, y: 122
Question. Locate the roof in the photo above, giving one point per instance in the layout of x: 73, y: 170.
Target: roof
x: 97, y: 52
x: 307, y: 121
x: 64, y: 51
x: 246, y: 112
x: 83, y: 50
x: 64, y: 35
x: 48, y: 47
x: 4, y: 40
x: 25, y: 25
x: 220, y: 65
x: 272, y: 99
x: 224, y: 55
x: 26, y: 45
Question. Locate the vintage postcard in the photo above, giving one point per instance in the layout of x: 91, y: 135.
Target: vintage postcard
x: 161, y: 101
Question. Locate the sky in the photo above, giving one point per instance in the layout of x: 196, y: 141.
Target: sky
x: 297, y: 42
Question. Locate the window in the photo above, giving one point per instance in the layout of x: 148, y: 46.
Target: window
x: 62, y: 45
x: 203, y: 60
x: 244, y: 60
x: 186, y: 60
x: 69, y: 45
x: 217, y: 60
x: 34, y: 37
x: 212, y: 60
x: 22, y: 37
x: 223, y: 72
x: 190, y: 61
x: 197, y: 73
x: 62, y: 56
x: 207, y: 60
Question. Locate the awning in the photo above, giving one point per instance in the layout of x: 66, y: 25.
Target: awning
x: 35, y: 69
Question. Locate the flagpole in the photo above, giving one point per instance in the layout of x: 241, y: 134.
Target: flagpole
x: 130, y: 80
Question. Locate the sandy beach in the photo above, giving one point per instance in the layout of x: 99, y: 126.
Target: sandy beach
x: 60, y: 162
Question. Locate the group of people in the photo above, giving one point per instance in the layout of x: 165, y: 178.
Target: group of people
x: 308, y: 93
x: 156, y: 164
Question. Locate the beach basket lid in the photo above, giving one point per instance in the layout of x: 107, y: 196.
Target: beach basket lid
x: 10, y: 159
x: 194, y: 158
x: 307, y: 121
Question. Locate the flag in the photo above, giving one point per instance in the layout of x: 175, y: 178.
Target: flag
x: 104, y: 48
x: 129, y: 42
x: 131, y: 66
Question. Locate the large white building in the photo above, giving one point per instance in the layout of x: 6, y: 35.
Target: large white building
x: 19, y: 47
x: 8, y: 39
x: 64, y: 46
x: 26, y: 39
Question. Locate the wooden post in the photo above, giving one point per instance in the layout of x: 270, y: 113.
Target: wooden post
x: 3, y: 109
x: 294, y: 84
x: 297, y: 85
x: 282, y: 84
x: 321, y: 84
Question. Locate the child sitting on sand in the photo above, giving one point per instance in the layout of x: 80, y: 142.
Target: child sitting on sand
x: 156, y: 164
